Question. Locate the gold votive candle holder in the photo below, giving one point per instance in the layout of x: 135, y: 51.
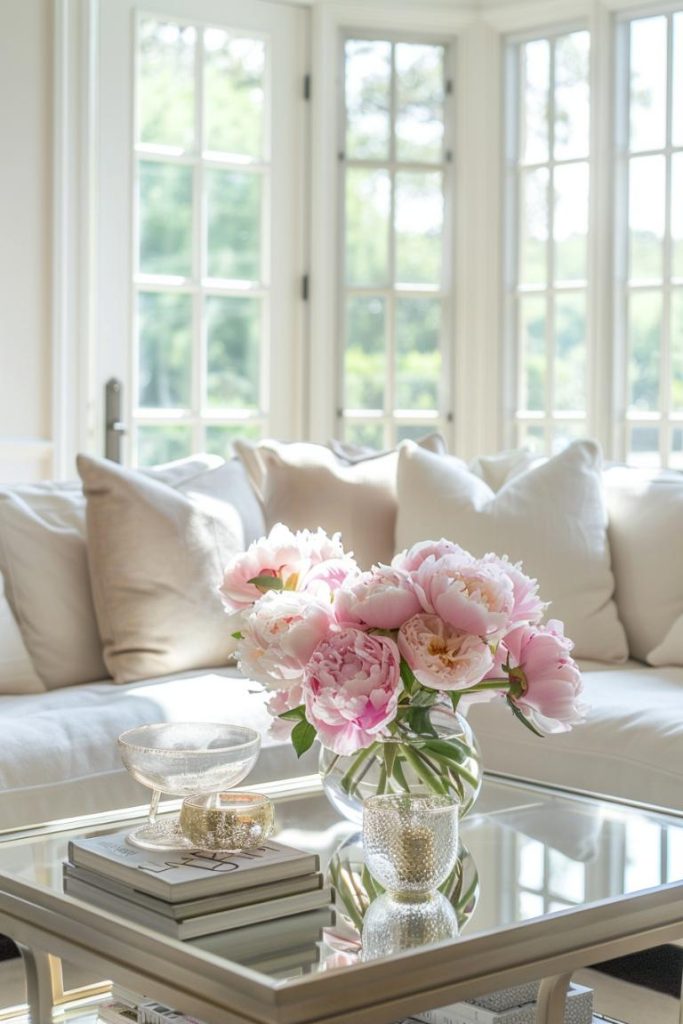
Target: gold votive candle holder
x: 227, y: 821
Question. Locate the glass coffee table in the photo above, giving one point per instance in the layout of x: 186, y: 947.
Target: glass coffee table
x: 551, y: 882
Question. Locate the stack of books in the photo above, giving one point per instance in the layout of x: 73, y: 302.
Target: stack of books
x: 516, y: 1005
x: 189, y: 895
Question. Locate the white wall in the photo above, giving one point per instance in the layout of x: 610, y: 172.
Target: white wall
x: 25, y: 239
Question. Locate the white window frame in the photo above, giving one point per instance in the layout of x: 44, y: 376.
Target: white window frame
x: 391, y: 418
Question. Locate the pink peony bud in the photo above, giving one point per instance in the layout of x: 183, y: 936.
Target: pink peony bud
x: 527, y: 606
x: 411, y: 559
x: 471, y: 596
x: 351, y: 688
x: 382, y: 598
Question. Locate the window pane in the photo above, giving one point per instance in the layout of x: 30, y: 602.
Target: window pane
x: 570, y: 352
x: 418, y: 359
x: 535, y: 58
x: 413, y: 431
x: 533, y: 228
x: 163, y: 444
x: 367, y: 226
x: 644, y: 447
x: 677, y: 122
x: 166, y: 83
x: 165, y: 218
x: 648, y: 83
x: 572, y: 110
x: 570, y: 226
x: 532, y: 309
x: 365, y: 435
x: 234, y: 93
x: 234, y: 224
x: 676, y: 462
x: 531, y: 871
x: 233, y: 332
x: 645, y: 324
x: 532, y: 436
x: 677, y: 212
x: 566, y: 877
x: 419, y: 96
x: 677, y: 350
x: 646, y: 217
x: 530, y: 905
x: 368, y: 84
x: 219, y: 437
x: 365, y: 353
x: 419, y: 224
x: 165, y: 350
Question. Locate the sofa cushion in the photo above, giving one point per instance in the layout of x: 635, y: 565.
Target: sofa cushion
x: 552, y: 518
x: 307, y: 486
x: 43, y: 560
x: 156, y: 559
x: 17, y: 674
x: 646, y: 540
x: 60, y: 757
x: 630, y: 746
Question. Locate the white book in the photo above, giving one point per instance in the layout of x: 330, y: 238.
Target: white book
x: 206, y: 924
x: 181, y: 875
x: 260, y: 943
x: 205, y: 905
x: 579, y: 1010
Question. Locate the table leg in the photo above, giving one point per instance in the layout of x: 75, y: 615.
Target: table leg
x: 552, y: 999
x: 39, y: 984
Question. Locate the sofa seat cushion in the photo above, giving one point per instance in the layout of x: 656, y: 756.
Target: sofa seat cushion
x: 630, y: 747
x: 59, y: 752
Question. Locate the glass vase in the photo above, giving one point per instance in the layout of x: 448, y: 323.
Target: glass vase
x: 443, y: 759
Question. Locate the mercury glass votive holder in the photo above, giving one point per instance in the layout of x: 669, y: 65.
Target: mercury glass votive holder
x: 410, y: 842
x: 229, y: 821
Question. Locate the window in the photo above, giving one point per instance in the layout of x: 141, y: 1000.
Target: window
x: 548, y: 193
x: 649, y: 315
x: 201, y: 296
x: 395, y: 308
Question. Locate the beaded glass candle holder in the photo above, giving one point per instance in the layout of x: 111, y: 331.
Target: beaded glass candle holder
x: 410, y: 842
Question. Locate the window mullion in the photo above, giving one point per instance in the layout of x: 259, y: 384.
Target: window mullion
x: 550, y: 345
x: 390, y: 313
x: 665, y: 340
x: 199, y: 248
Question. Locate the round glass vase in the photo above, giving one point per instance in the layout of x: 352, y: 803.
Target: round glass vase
x: 444, y: 760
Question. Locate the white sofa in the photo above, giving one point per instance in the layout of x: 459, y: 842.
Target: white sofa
x: 58, y: 755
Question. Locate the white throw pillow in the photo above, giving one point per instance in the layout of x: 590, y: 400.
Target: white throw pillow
x: 552, y: 518
x: 156, y: 559
x: 646, y: 537
x: 43, y: 558
x: 306, y: 486
x: 17, y: 674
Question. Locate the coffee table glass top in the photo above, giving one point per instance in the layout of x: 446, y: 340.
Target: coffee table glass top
x: 528, y: 853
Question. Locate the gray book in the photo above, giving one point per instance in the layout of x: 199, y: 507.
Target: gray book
x: 179, y: 876
x: 206, y: 904
x: 206, y: 924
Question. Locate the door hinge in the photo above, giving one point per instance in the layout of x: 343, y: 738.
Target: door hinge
x: 304, y: 288
x: 307, y: 87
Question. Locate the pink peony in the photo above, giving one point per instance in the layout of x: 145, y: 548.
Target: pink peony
x: 411, y: 559
x: 284, y: 555
x: 279, y: 635
x: 471, y: 596
x: 381, y: 598
x: 351, y: 688
x: 546, y: 682
x: 325, y: 578
x: 279, y: 701
x: 528, y: 606
x: 442, y: 657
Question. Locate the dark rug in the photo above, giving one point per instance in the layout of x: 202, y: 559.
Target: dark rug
x: 660, y: 969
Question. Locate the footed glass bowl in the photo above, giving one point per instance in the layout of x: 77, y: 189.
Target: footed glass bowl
x: 180, y: 758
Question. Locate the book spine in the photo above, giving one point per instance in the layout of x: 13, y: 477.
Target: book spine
x: 150, y: 1012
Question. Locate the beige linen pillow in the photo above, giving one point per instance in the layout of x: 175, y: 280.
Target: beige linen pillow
x: 44, y: 561
x: 306, y: 486
x: 646, y: 538
x: 17, y: 674
x: 551, y: 517
x: 156, y: 559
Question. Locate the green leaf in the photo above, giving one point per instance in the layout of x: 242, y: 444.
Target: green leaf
x: 237, y: 635
x: 424, y: 698
x: 265, y: 583
x: 408, y: 676
x: 303, y: 737
x: 420, y: 722
x: 294, y: 714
